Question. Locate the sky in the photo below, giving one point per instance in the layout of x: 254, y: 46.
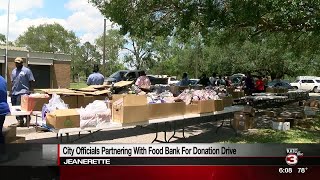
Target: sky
x: 76, y: 15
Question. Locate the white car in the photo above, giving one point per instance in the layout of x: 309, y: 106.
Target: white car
x: 307, y: 84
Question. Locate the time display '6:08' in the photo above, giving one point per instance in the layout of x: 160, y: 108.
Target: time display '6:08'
x: 285, y: 170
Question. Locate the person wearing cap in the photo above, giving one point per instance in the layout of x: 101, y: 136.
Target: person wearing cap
x: 95, y: 78
x: 21, y: 78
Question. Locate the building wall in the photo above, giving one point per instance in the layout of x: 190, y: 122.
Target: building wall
x: 61, y: 74
x: 59, y: 65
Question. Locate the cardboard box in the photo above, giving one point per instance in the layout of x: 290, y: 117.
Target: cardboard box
x: 242, y: 121
x: 72, y: 101
x: 83, y: 101
x: 33, y: 103
x: 218, y: 105
x: 280, y: 119
x: 237, y: 94
x: 131, y: 100
x: 9, y: 132
x: 230, y: 90
x: 16, y: 140
x: 63, y: 118
x: 249, y: 110
x: 314, y: 103
x: 206, y: 106
x: 192, y: 109
x: 116, y: 97
x: 282, y: 126
x: 164, y: 110
x: 227, y: 101
x: 129, y: 114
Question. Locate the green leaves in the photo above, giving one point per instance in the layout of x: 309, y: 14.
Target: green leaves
x: 48, y: 38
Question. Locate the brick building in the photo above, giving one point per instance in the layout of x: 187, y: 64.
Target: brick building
x: 50, y: 70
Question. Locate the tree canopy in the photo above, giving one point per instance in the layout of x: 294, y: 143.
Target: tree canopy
x: 183, y: 18
x: 49, y: 38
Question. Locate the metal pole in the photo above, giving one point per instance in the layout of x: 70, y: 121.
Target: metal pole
x: 7, y: 43
x: 104, y: 44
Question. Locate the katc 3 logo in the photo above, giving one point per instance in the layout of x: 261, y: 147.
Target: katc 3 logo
x: 293, y: 155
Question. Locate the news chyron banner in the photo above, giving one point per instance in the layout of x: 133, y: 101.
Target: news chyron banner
x: 188, y: 154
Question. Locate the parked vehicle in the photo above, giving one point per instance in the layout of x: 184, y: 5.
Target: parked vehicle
x: 128, y: 75
x: 236, y: 79
x: 307, y: 83
x: 280, y: 83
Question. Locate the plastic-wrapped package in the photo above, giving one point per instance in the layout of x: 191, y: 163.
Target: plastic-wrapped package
x: 56, y: 103
x: 94, y: 114
x: 169, y: 99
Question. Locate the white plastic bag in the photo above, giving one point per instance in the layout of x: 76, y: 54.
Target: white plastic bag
x: 94, y: 114
x: 56, y: 103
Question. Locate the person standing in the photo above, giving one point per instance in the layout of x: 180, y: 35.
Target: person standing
x: 4, y: 107
x: 185, y: 80
x: 213, y: 79
x: 204, y: 80
x: 260, y: 85
x: 96, y: 78
x: 249, y: 84
x: 220, y: 81
x: 22, y: 79
x: 143, y: 82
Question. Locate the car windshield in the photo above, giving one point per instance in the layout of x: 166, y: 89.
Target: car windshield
x: 297, y: 81
x: 117, y: 74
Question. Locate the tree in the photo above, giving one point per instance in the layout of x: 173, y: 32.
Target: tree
x: 114, y: 42
x: 2, y: 39
x: 149, y: 17
x: 89, y: 56
x: 139, y: 53
x: 52, y: 38
x: 49, y: 38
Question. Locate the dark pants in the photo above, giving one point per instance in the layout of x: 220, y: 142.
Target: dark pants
x: 2, y: 118
x: 16, y: 101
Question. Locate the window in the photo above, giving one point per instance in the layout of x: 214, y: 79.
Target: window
x: 318, y: 81
x: 307, y: 81
x: 131, y: 76
x: 297, y: 81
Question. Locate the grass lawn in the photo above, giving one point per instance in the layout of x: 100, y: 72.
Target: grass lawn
x: 78, y: 85
x: 294, y: 135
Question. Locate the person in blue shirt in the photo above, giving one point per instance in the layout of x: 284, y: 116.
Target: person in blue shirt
x: 4, y: 107
x: 184, y: 81
x: 95, y: 78
x: 22, y: 79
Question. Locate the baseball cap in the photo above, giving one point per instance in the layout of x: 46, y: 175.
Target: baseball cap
x: 18, y: 60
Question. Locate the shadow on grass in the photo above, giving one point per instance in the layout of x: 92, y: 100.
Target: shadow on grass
x: 295, y: 135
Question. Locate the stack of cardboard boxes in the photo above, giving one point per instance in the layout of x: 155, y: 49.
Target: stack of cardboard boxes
x: 244, y: 120
x: 126, y: 109
x: 236, y: 94
x: 29, y: 103
x: 10, y: 135
x: 206, y: 106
